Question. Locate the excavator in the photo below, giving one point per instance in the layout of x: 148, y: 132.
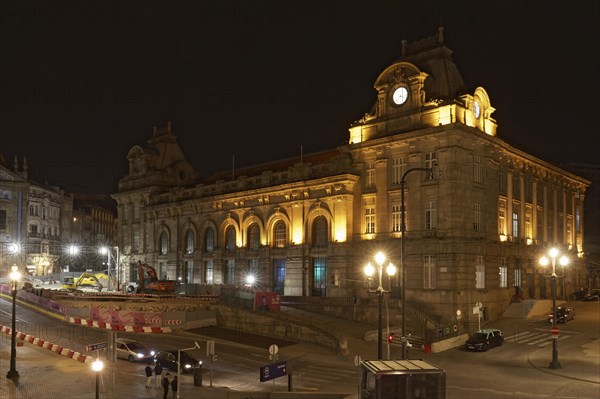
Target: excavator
x: 84, y: 280
x: 148, y: 282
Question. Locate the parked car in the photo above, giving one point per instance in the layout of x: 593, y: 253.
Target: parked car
x: 133, y: 350
x: 563, y: 315
x: 168, y: 359
x: 484, y: 339
x: 592, y: 295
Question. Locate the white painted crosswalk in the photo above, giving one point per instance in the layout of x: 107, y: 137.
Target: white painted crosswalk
x: 536, y: 338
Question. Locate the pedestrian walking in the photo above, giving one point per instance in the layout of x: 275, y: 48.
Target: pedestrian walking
x: 174, y: 387
x: 158, y: 374
x: 149, y: 373
x: 165, y: 384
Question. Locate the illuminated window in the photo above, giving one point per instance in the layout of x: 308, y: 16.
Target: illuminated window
x: 208, y: 271
x: 396, y: 218
x: 370, y: 175
x: 398, y: 166
x: 370, y: 219
x: 515, y: 224
x: 280, y: 234
x: 479, y: 273
x: 209, y: 240
x: 279, y: 275
x: 503, y: 273
x: 164, y: 243
x: 430, y: 162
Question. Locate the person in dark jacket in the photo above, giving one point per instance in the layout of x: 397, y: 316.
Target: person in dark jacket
x: 165, y: 384
x: 158, y: 374
x: 149, y: 372
x: 174, y: 387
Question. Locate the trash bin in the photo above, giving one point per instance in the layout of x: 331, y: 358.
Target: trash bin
x: 198, y: 377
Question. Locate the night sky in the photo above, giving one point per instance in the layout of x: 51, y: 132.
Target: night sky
x: 82, y: 83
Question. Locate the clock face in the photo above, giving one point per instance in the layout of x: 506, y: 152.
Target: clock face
x: 476, y: 109
x: 400, y: 95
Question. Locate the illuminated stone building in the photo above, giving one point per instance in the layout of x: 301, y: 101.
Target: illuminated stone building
x: 475, y: 226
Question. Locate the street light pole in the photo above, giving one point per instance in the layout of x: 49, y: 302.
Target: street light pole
x: 13, y: 374
x: 404, y: 339
x: 369, y: 271
x: 553, y: 253
x: 97, y: 366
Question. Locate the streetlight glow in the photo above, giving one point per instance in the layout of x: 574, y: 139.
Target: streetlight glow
x: 97, y: 366
x: 369, y: 271
x: 12, y: 373
x: 544, y: 262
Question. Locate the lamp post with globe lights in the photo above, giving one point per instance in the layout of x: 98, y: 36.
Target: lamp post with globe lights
x: 544, y: 261
x: 97, y: 366
x: 15, y: 276
x: 370, y: 271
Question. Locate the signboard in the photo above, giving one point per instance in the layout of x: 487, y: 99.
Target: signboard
x: 272, y: 371
x: 95, y: 347
x: 267, y: 301
x: 554, y: 330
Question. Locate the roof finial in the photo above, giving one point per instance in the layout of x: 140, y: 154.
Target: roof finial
x: 404, y: 49
x: 441, y: 34
x: 16, y: 164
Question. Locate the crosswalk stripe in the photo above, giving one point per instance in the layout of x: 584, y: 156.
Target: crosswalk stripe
x: 535, y: 338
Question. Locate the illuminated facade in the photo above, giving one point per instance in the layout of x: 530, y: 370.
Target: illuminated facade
x: 475, y: 227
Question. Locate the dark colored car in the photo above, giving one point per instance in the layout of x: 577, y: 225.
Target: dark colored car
x: 168, y: 359
x: 592, y: 295
x: 484, y: 339
x: 563, y: 315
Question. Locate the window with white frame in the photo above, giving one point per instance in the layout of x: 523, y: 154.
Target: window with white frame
x: 515, y: 224
x: 396, y: 218
x: 209, y: 239
x: 164, y: 243
x: 280, y: 233
x: 430, y: 215
x: 398, y: 166
x: 479, y: 273
x: 370, y: 175
x: 428, y: 271
x: 503, y: 273
x: 517, y: 274
x: 208, y: 271
x: 136, y: 241
x: 369, y: 219
x: 430, y: 162
x: 189, y: 241
x: 502, y: 217
x: 477, y: 170
x: 476, y: 216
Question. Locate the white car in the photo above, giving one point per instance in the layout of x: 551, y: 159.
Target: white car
x: 133, y: 350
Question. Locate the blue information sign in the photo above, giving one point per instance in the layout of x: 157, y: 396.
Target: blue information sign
x: 272, y: 371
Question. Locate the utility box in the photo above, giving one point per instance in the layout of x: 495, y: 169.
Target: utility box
x: 401, y: 379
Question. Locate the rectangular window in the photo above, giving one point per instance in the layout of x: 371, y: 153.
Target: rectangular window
x: 370, y: 175
x: 136, y: 240
x: 477, y: 170
x: 517, y: 282
x: 516, y: 186
x: 430, y: 162
x: 577, y: 220
x: 279, y: 275
x: 476, y: 217
x: 528, y: 188
x: 503, y: 273
x: 540, y: 223
x: 370, y: 220
x: 479, y: 273
x: 230, y: 277
x: 428, y: 271
x: 515, y: 224
x: 319, y: 276
x: 502, y: 217
x: 430, y: 215
x: 396, y: 218
x: 398, y: 166
x: 208, y: 272
x: 502, y: 180
x: 136, y: 211
x: 2, y: 219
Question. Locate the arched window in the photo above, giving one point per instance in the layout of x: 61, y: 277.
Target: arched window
x: 209, y: 240
x: 230, y: 239
x: 253, y: 237
x: 164, y: 243
x: 190, y: 237
x: 319, y: 235
x: 279, y: 234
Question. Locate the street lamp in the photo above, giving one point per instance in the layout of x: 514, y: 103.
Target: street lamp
x: 369, y: 271
x: 196, y: 346
x: 553, y: 253
x: 97, y: 366
x: 13, y: 374
x: 404, y: 339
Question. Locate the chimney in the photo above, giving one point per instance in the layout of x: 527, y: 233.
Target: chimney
x: 404, y: 48
x: 441, y: 35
